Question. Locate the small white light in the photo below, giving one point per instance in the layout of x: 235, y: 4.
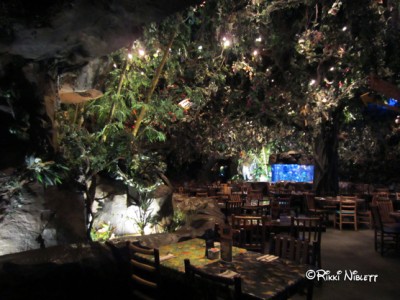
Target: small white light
x: 255, y: 53
x: 272, y: 80
x: 142, y: 52
x: 332, y: 69
x: 312, y: 82
x: 258, y: 39
x: 130, y: 56
x: 115, y: 65
x: 227, y: 43
x: 141, y: 73
x: 200, y: 47
x: 344, y: 28
x: 324, y: 100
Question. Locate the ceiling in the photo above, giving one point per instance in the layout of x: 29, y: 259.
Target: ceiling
x: 75, y: 31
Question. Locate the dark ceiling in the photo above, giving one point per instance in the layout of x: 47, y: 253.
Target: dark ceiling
x: 74, y: 31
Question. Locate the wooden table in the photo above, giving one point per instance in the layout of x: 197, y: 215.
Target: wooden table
x: 260, y: 280
x: 335, y: 200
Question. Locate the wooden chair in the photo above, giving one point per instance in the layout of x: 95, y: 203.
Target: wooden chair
x: 364, y: 215
x: 297, y: 251
x: 235, y: 197
x: 347, y: 214
x: 290, y: 248
x: 314, y: 211
x: 308, y: 229
x: 280, y: 206
x: 252, y: 231
x: 233, y: 208
x: 386, y: 235
x: 254, y: 196
x: 385, y: 208
x: 379, y: 196
x: 211, y: 286
x: 284, y: 205
x: 145, y: 271
x: 397, y: 196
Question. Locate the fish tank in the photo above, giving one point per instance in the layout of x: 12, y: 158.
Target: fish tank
x: 292, y: 172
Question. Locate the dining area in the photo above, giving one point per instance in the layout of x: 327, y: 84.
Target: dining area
x: 184, y: 271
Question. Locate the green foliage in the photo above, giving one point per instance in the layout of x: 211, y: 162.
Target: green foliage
x: 143, y: 216
x: 103, y: 233
x: 178, y: 220
x: 47, y: 173
x: 290, y: 67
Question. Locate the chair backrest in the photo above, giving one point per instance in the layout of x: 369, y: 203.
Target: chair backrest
x: 307, y: 229
x: 397, y: 194
x: 296, y: 250
x: 254, y: 196
x: 235, y: 197
x: 385, y: 208
x: 310, y: 200
x: 233, y: 207
x: 376, y: 217
x: 348, y: 207
x: 145, y: 269
x: 212, y: 285
x: 379, y: 196
x: 252, y: 231
x: 348, y: 198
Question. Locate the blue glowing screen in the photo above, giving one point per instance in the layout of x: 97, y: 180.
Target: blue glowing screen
x: 291, y: 172
x: 392, y: 102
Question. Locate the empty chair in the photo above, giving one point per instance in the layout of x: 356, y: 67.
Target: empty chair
x: 364, y: 214
x: 385, y: 208
x: 297, y: 251
x: 145, y: 271
x: 313, y: 210
x: 290, y: 248
x: 233, y: 208
x: 254, y: 196
x: 211, y: 286
x: 347, y: 214
x: 235, y: 197
x: 308, y: 229
x: 284, y: 205
x: 379, y: 196
x: 280, y: 206
x: 252, y: 231
x: 386, y: 235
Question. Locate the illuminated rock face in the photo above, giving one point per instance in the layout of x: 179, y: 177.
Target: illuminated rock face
x: 56, y: 215
x: 125, y: 217
x: 73, y: 32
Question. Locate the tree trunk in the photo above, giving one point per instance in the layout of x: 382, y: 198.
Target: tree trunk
x: 326, y: 157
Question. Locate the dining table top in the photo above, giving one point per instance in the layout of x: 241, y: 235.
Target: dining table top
x: 337, y: 199
x: 260, y: 279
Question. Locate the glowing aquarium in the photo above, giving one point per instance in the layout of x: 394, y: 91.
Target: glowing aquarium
x: 292, y: 172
